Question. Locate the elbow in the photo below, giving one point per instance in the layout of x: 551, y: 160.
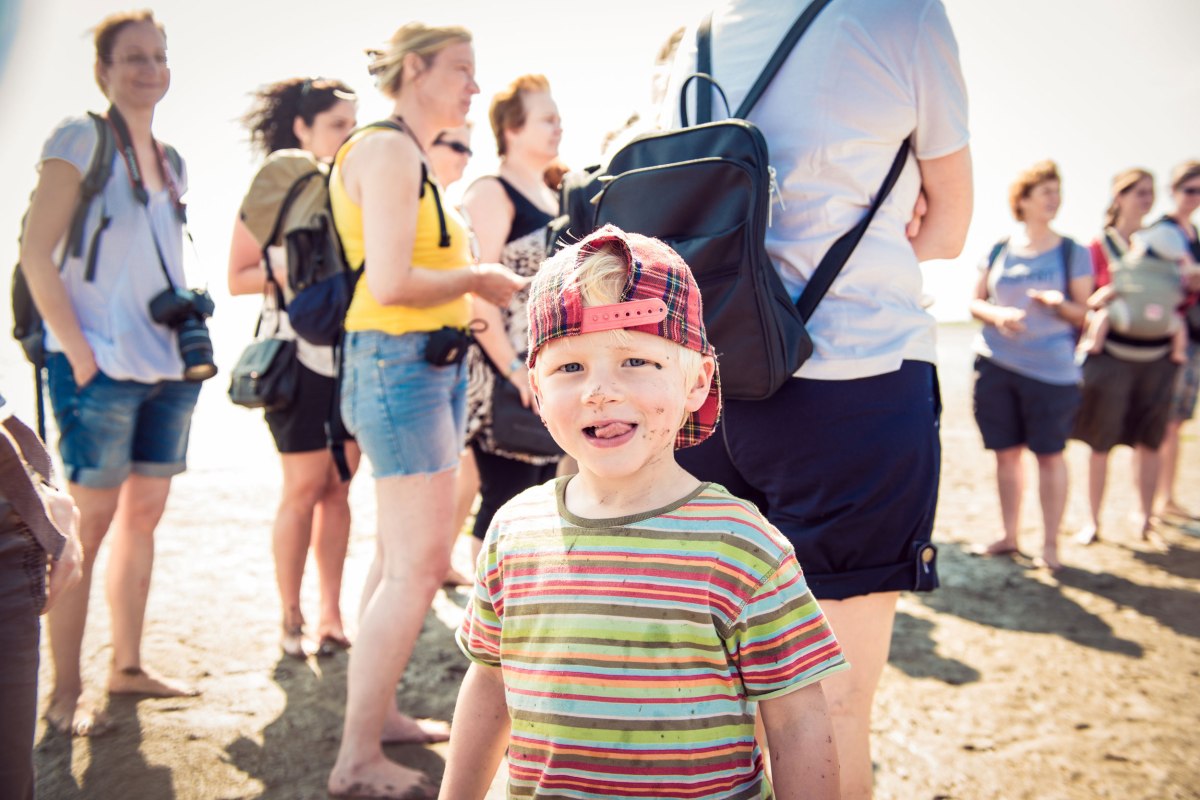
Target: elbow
x: 388, y: 293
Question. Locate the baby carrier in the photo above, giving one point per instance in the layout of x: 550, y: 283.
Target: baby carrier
x: 1147, y: 291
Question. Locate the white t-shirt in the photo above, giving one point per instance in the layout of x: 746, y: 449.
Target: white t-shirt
x: 866, y: 75
x: 113, y: 308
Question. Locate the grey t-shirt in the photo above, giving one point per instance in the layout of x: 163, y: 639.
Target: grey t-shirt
x: 113, y: 309
x: 1045, y: 350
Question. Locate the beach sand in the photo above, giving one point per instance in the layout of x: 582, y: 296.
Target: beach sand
x: 1005, y: 683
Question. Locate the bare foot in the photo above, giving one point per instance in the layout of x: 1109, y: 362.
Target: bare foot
x: 454, y: 579
x: 1000, y: 547
x: 1048, y: 561
x: 65, y: 715
x: 381, y: 779
x: 1151, y: 536
x: 135, y: 680
x: 402, y: 729
x: 1089, y: 534
x: 1171, y: 509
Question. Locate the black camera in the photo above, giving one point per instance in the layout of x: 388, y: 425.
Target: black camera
x: 184, y: 311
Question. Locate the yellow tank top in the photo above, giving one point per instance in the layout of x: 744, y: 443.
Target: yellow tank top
x: 368, y: 314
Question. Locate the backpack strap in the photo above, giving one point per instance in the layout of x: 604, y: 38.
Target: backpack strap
x: 838, y: 254
x: 94, y: 180
x: 993, y: 259
x: 779, y: 56
x: 1067, y: 249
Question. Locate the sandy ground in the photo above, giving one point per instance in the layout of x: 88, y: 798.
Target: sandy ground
x: 1005, y: 683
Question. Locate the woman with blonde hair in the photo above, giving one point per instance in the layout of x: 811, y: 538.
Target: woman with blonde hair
x: 1031, y: 298
x: 1127, y: 386
x: 404, y: 383
x: 313, y: 114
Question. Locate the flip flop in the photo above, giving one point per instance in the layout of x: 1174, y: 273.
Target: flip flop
x: 332, y: 645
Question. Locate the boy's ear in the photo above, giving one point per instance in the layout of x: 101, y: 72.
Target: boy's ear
x: 697, y: 392
x: 536, y: 393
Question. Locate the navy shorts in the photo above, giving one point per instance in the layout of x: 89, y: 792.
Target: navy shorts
x: 1013, y: 410
x: 111, y: 428
x: 847, y: 470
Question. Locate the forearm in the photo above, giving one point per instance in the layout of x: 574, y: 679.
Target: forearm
x: 494, y: 339
x: 419, y: 288
x: 54, y: 304
x: 478, y: 737
x: 948, y: 186
x: 984, y: 311
x: 804, y: 759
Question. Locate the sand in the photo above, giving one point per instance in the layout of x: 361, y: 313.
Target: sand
x: 1005, y: 683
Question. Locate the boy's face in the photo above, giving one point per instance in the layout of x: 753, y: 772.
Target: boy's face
x: 615, y: 401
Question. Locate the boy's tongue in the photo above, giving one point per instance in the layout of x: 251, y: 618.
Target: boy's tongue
x: 612, y: 430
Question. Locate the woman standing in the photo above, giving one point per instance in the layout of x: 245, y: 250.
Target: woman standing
x: 1185, y: 197
x: 509, y: 212
x: 1031, y: 298
x: 316, y: 115
x: 115, y: 374
x: 1127, y: 387
x: 403, y: 394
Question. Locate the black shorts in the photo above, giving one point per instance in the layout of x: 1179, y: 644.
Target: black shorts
x: 300, y: 428
x: 1124, y: 402
x: 1013, y: 410
x: 847, y: 470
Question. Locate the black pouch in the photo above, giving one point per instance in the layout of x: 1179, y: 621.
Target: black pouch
x: 446, y: 346
x: 925, y: 561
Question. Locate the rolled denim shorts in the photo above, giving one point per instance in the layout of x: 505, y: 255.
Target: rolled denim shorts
x: 110, y: 428
x: 408, y: 416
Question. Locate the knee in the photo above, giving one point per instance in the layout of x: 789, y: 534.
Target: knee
x: 303, y: 492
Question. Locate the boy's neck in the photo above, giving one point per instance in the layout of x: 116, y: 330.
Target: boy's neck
x: 593, y: 496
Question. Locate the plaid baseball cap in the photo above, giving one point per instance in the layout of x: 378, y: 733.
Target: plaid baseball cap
x: 660, y: 297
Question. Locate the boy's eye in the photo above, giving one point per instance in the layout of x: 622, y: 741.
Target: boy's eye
x: 641, y: 362
x: 571, y: 367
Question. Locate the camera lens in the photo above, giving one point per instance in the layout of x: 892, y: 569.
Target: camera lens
x: 195, y: 348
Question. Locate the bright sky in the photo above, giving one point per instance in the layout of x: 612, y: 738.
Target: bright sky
x: 1097, y: 85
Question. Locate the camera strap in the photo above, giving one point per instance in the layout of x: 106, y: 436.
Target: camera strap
x: 138, y: 185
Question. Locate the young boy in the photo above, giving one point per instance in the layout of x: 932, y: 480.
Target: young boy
x: 627, y: 619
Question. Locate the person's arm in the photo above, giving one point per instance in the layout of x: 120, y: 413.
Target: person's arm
x: 1006, y: 319
x: 247, y: 273
x: 948, y: 190
x: 50, y: 212
x: 491, y: 213
x: 383, y: 173
x: 478, y: 736
x: 804, y: 759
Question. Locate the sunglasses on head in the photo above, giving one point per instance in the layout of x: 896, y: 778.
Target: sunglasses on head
x: 457, y: 147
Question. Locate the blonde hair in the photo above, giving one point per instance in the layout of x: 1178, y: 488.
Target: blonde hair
x: 1184, y: 173
x: 387, y: 66
x: 1027, y: 181
x: 507, y: 111
x: 601, y: 278
x: 1122, y: 182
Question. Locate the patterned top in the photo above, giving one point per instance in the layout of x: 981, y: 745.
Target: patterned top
x: 632, y: 649
x: 523, y: 253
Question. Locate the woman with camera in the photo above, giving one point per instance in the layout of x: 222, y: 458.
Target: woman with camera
x: 314, y: 115
x: 404, y: 381
x: 122, y: 333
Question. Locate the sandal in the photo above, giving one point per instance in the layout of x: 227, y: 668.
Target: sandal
x: 292, y: 643
x: 332, y: 645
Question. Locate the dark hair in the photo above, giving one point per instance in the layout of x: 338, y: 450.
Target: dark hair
x: 110, y: 27
x: 270, y: 120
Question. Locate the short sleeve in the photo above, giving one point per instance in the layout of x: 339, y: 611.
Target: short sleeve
x: 72, y: 141
x: 479, y: 635
x: 781, y: 641
x: 1081, y: 261
x: 940, y: 90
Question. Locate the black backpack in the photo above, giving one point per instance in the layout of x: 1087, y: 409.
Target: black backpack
x: 28, y: 328
x: 706, y: 190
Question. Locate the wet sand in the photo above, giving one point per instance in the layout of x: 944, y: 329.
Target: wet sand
x: 1006, y: 683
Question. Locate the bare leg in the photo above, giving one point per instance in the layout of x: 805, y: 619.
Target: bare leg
x: 863, y: 626
x: 1052, y: 490
x: 1168, y: 464
x: 1147, y: 464
x: 466, y: 487
x: 67, y: 620
x: 414, y: 544
x: 141, y: 505
x: 331, y: 538
x: 1097, y: 480
x: 1010, y: 480
x: 304, y: 479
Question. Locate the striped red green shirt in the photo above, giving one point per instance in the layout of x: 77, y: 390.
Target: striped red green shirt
x: 632, y: 649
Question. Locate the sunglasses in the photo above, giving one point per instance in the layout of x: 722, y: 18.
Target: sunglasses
x: 1191, y: 191
x: 457, y: 147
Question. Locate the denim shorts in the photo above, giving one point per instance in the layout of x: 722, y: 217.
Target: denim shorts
x: 111, y: 428
x: 408, y: 416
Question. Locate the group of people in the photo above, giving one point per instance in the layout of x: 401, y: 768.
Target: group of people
x: 1051, y: 365
x: 700, y: 560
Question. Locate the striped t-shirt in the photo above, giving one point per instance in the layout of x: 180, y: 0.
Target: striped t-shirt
x: 632, y: 649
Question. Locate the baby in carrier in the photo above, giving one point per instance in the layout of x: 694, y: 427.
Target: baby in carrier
x: 1140, y: 306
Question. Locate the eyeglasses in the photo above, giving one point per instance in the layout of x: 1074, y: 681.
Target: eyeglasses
x: 140, y: 60
x: 1191, y: 191
x: 457, y: 147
